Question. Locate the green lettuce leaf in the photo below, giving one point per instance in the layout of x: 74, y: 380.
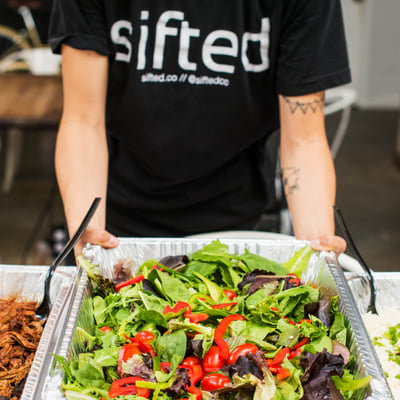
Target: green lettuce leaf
x: 299, y: 261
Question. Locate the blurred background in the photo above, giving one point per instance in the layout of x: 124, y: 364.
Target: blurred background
x: 363, y: 125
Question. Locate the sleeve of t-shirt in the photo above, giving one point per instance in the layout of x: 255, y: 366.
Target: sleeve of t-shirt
x: 79, y: 24
x: 312, y: 53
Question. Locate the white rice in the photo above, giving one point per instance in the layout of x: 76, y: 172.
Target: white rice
x: 376, y: 326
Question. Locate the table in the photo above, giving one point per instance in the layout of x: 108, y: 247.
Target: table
x: 27, y: 102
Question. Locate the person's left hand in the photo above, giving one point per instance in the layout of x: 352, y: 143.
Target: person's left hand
x: 329, y: 243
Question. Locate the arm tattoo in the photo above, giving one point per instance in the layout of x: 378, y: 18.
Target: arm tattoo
x: 290, y: 179
x: 313, y: 105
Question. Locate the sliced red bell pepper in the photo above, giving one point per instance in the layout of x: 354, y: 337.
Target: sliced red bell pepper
x: 126, y: 352
x: 302, y: 342
x: 205, y: 298
x: 279, y: 357
x: 180, y: 305
x: 196, y: 373
x: 196, y: 317
x: 241, y: 350
x: 194, y: 390
x: 143, y: 338
x: 146, y: 347
x: 129, y: 282
x: 219, y: 333
x: 296, y: 281
x: 126, y: 386
x: 289, y: 321
x: 282, y: 373
x: 164, y: 365
x: 223, y: 305
x: 295, y: 353
x: 193, y: 364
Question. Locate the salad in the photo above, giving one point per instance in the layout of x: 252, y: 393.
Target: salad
x: 212, y: 325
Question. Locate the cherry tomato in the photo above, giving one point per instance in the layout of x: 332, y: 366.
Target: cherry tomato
x: 106, y: 329
x: 214, y: 381
x: 230, y: 294
x: 188, y: 362
x: 144, y: 336
x: 212, y: 361
x: 241, y: 350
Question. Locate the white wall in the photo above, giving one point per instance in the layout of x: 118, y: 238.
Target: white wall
x: 373, y: 36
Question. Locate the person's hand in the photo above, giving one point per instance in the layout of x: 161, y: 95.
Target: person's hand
x: 96, y: 236
x: 329, y: 243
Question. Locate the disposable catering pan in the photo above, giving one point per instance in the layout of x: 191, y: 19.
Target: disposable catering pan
x: 323, y: 271
x: 387, y: 290
x: 387, y: 286
x: 27, y: 283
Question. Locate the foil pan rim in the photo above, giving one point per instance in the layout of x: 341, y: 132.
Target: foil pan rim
x: 379, y: 385
x: 80, y: 287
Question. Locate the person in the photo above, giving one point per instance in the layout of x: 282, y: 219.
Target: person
x: 168, y: 104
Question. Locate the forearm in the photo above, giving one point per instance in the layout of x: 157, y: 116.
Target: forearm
x: 310, y: 187
x: 81, y: 162
x: 307, y: 166
x: 81, y: 150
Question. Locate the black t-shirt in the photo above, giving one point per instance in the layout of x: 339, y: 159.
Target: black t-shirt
x: 192, y: 96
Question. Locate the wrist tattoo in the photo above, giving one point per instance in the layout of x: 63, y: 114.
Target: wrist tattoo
x: 304, y: 107
x: 290, y: 179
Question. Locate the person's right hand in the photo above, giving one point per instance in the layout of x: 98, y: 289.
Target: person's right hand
x: 96, y: 236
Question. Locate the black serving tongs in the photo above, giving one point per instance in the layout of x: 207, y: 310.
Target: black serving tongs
x: 350, y: 243
x: 43, y: 310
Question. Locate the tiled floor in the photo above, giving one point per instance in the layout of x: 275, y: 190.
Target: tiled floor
x: 368, y: 193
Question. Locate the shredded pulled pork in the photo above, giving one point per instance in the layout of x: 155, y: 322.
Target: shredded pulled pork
x: 20, y: 333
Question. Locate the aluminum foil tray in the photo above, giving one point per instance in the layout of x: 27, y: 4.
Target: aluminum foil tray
x: 323, y: 270
x: 27, y: 283
x: 387, y: 290
x: 387, y: 286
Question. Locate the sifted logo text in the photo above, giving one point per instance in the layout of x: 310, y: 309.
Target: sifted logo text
x: 122, y: 35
